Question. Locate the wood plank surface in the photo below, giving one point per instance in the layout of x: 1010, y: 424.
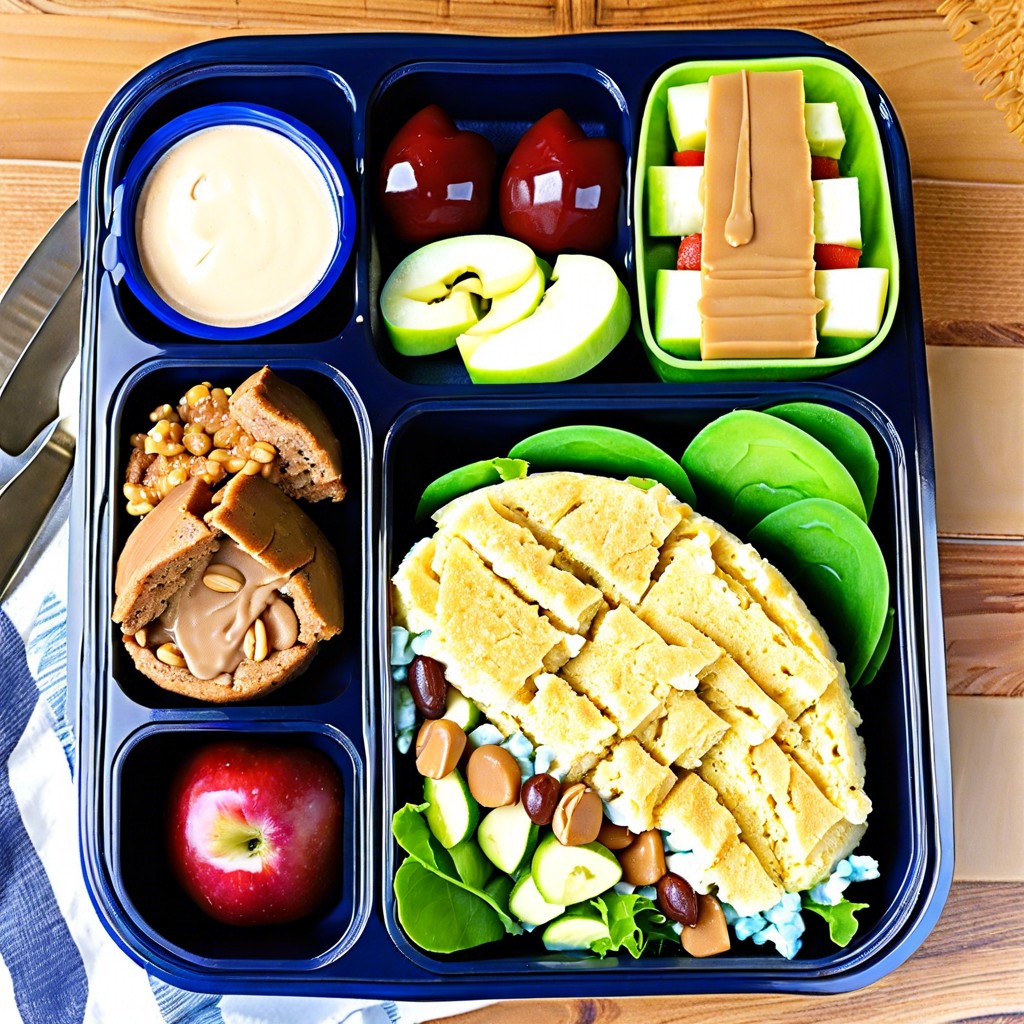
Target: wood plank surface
x: 57, y: 72
x: 969, y: 968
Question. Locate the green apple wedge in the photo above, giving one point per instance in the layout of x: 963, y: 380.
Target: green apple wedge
x: 584, y: 314
x: 506, y: 310
x: 425, y: 312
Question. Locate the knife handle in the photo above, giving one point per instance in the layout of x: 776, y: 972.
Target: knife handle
x: 24, y: 503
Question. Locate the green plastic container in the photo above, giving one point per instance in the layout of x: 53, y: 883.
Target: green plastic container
x: 824, y: 81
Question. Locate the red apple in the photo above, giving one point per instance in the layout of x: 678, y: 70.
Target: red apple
x: 560, y: 190
x: 254, y: 831
x: 435, y: 180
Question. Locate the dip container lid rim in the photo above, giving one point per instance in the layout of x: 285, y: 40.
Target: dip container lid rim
x: 214, y: 115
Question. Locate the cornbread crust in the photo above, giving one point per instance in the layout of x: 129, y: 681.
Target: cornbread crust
x: 513, y: 553
x: 415, y: 588
x: 632, y: 783
x: 309, y: 454
x: 695, y: 818
x: 607, y: 530
x: 490, y: 640
x: 760, y: 768
x: 692, y: 587
x: 782, y: 814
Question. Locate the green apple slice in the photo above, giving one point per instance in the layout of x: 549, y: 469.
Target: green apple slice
x: 824, y: 129
x: 854, y: 301
x: 526, y: 903
x: 674, y: 204
x: 676, y: 313
x: 582, y: 317
x: 688, y: 115
x: 572, y: 874
x: 837, y: 212
x: 505, y: 310
x: 424, y: 304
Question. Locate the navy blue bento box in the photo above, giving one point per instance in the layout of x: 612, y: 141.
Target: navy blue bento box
x: 402, y: 422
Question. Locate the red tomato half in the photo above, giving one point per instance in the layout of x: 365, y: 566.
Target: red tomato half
x: 836, y: 257
x: 689, y: 158
x: 824, y: 167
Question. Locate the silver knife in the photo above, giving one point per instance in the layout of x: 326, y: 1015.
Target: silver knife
x: 25, y: 500
x: 35, y: 290
x: 28, y: 398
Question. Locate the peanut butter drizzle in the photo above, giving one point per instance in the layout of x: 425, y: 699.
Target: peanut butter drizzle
x: 209, y: 627
x: 757, y: 296
x: 739, y: 228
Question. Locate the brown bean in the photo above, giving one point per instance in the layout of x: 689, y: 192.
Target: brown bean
x: 578, y: 816
x: 615, y: 837
x: 494, y: 776
x: 677, y: 899
x: 540, y: 798
x: 439, y: 745
x: 643, y: 861
x: 710, y: 935
x: 428, y: 686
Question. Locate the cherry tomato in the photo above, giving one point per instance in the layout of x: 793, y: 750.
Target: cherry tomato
x: 561, y: 189
x: 689, y: 253
x: 835, y: 257
x: 435, y: 180
x: 689, y: 158
x: 824, y: 167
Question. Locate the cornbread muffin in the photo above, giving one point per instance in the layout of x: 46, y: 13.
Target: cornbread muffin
x: 662, y: 660
x: 226, y: 602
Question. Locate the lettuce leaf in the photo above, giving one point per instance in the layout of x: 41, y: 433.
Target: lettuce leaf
x: 632, y: 922
x: 414, y: 836
x: 842, y: 925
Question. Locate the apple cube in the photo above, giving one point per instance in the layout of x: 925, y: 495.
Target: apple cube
x: 674, y: 205
x: 854, y: 301
x: 824, y: 128
x: 676, y: 316
x: 688, y: 115
x: 837, y: 212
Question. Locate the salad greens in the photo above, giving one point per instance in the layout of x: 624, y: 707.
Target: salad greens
x: 842, y: 925
x: 465, y: 479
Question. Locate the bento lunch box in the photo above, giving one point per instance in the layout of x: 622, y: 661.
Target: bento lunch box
x: 404, y: 421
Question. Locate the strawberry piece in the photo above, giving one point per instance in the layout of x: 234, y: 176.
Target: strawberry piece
x: 689, y: 253
x: 689, y: 158
x: 824, y: 167
x: 836, y: 257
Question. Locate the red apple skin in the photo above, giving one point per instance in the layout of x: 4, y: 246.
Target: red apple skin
x: 435, y: 180
x: 290, y: 797
x: 560, y: 190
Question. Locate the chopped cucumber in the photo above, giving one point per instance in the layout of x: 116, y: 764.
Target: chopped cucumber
x: 473, y: 867
x: 529, y: 906
x: 572, y: 874
x: 462, y: 711
x: 453, y: 813
x: 508, y: 837
x: 574, y: 932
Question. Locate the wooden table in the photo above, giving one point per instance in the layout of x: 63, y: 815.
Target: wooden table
x: 61, y: 59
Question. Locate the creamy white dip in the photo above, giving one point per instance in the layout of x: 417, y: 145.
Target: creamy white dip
x: 235, y: 225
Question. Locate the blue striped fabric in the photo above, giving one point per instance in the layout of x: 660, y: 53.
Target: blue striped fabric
x: 62, y: 966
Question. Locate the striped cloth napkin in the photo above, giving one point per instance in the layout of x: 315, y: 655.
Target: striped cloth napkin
x: 57, y: 962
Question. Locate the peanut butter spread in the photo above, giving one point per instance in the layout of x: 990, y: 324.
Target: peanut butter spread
x: 701, y: 697
x: 209, y: 626
x: 757, y: 250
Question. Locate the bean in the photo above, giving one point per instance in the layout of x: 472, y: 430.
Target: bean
x: 578, y: 816
x: 643, y: 861
x: 429, y: 686
x: 615, y: 837
x: 540, y: 798
x: 439, y: 746
x: 677, y: 899
x: 493, y: 776
x: 710, y: 935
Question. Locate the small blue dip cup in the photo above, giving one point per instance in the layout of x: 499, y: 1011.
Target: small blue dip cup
x: 215, y: 115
